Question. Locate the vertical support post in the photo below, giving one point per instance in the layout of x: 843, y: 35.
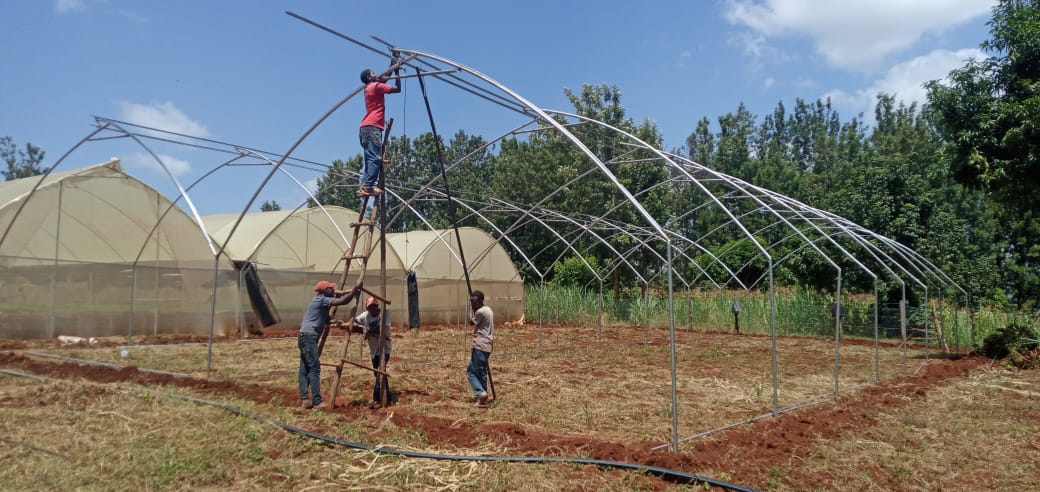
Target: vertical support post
x: 837, y: 334
x: 671, y: 333
x: 133, y: 295
x: 541, y: 301
x: 646, y: 306
x: 384, y: 328
x: 54, y: 271
x: 599, y: 313
x: 927, y: 313
x: 940, y: 333
x: 238, y: 306
x: 689, y: 310
x: 155, y: 292
x: 902, y: 323
x: 877, y: 342
x: 772, y: 336
x: 956, y: 324
x: 212, y: 318
x: 971, y: 320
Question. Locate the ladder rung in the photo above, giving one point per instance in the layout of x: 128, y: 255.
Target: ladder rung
x: 354, y: 257
x: 364, y: 223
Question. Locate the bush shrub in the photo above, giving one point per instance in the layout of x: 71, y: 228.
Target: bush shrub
x: 1015, y: 342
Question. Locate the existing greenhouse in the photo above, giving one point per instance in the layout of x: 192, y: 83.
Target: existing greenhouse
x: 434, y: 257
x: 294, y: 249
x: 92, y: 245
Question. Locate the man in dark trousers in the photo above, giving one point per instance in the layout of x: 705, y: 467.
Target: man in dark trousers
x: 483, y: 321
x: 315, y: 317
x: 372, y: 125
x: 377, y: 332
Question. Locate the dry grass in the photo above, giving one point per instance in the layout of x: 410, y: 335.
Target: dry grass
x: 976, y: 432
x: 982, y: 433
x: 86, y: 436
x: 617, y: 387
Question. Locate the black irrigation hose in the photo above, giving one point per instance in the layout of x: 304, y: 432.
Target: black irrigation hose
x: 664, y: 473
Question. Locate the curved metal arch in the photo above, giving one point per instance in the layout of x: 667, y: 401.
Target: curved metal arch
x: 544, y: 116
x: 180, y: 189
x: 617, y: 254
x: 248, y: 151
x: 870, y: 249
x: 664, y: 157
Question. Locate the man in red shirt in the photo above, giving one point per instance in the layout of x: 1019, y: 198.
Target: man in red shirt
x: 372, y: 129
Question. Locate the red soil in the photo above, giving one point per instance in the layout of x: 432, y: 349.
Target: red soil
x: 746, y: 452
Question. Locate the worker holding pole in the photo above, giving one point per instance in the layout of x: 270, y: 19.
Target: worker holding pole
x: 483, y: 321
x: 377, y: 333
x: 315, y: 317
x: 371, y: 132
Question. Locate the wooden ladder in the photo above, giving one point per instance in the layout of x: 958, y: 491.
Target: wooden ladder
x: 376, y: 203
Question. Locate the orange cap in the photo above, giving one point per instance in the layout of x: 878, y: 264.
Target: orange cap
x: 322, y: 285
x: 370, y: 301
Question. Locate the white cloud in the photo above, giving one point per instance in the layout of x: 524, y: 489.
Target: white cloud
x: 142, y: 160
x: 68, y: 6
x: 162, y: 116
x: 756, y: 48
x: 853, y: 34
x: 905, y: 81
x: 768, y: 83
x: 683, y: 58
x: 311, y: 185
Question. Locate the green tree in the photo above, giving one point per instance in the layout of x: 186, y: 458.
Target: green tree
x: 336, y: 186
x: 270, y: 206
x: 20, y: 163
x: 990, y: 110
x: 989, y: 114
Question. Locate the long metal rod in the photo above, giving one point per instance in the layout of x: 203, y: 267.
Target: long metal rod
x: 421, y: 74
x: 838, y: 308
x: 452, y: 212
x: 671, y: 334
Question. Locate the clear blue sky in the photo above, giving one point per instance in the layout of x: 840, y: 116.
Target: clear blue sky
x: 246, y: 73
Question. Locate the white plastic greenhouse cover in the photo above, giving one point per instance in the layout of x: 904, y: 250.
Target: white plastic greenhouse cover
x: 95, y: 214
x: 433, y: 256
x: 294, y: 249
x: 85, y: 250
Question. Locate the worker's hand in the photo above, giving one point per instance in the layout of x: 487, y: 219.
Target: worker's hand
x: 358, y: 286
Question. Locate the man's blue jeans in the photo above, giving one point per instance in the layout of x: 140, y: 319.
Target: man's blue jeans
x: 477, y: 371
x: 310, y: 371
x: 372, y: 147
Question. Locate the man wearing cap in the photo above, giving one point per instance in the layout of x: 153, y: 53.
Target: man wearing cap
x: 377, y: 333
x: 315, y: 317
x: 371, y: 132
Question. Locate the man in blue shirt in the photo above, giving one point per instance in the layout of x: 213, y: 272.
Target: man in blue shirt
x: 315, y: 317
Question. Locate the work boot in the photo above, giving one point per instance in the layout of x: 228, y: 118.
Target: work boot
x: 321, y: 406
x: 305, y: 404
x: 482, y: 402
x: 369, y: 191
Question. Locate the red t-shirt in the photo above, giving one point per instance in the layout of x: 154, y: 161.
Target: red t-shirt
x: 375, y: 106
